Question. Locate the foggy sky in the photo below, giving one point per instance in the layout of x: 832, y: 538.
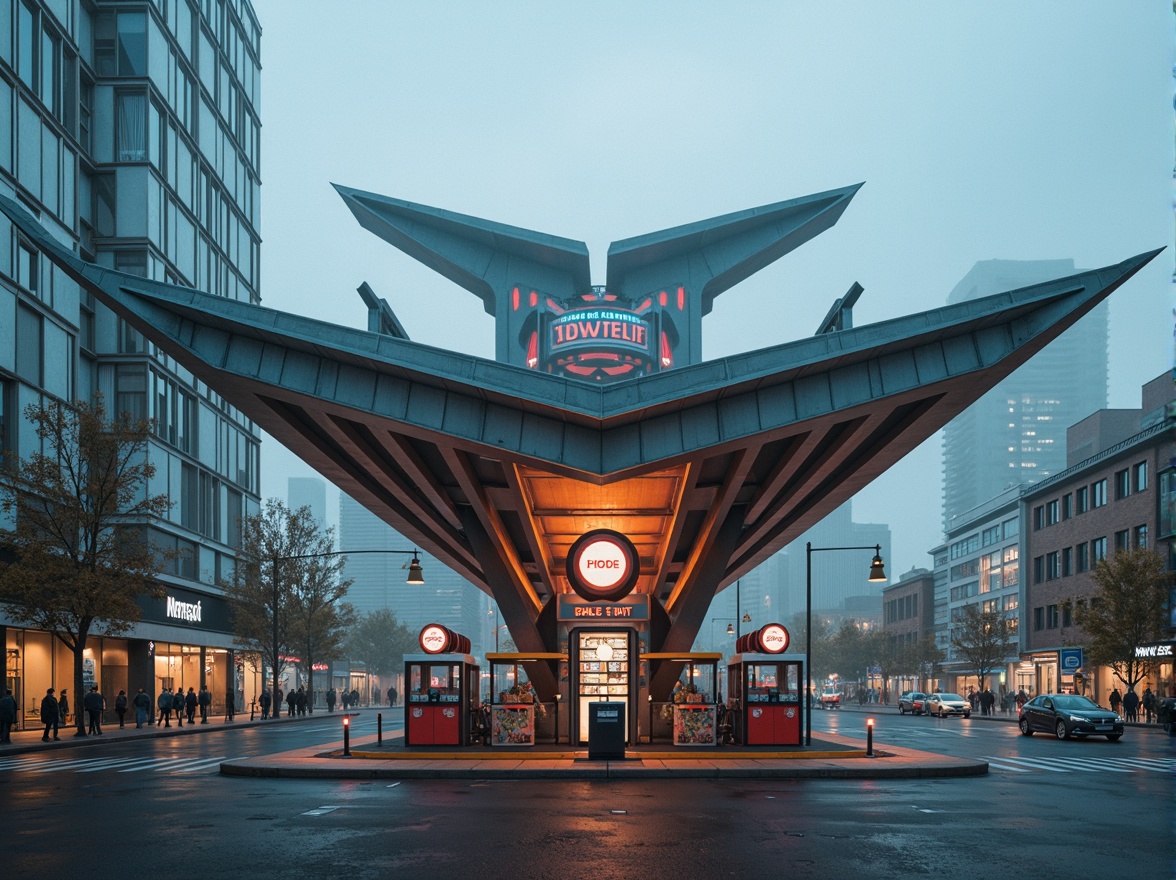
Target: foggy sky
x: 981, y: 130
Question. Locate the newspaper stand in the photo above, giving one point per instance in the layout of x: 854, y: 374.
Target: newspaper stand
x: 694, y: 704
x: 442, y: 690
x: 514, y: 705
x: 766, y: 689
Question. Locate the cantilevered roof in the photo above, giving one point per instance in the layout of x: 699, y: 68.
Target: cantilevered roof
x: 491, y: 468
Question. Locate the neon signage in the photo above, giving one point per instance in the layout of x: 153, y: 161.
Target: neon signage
x: 602, y: 566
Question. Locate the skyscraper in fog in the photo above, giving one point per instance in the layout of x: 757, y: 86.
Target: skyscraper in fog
x: 308, y: 492
x: 379, y: 578
x: 1016, y: 433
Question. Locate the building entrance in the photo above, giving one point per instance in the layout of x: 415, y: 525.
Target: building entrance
x: 601, y: 670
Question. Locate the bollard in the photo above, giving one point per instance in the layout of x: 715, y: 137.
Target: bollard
x: 379, y: 728
x: 870, y: 738
x: 346, y: 737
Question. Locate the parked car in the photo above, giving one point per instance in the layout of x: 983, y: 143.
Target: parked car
x: 909, y: 701
x: 947, y: 704
x: 1067, y: 715
x: 830, y: 698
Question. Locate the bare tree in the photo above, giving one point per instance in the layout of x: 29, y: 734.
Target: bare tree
x: 322, y: 619
x: 1128, y: 611
x: 81, y: 557
x: 285, y: 565
x: 380, y: 640
x: 983, y: 638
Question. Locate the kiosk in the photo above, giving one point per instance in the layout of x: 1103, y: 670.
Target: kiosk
x: 514, y: 706
x: 442, y: 690
x: 767, y: 693
x: 694, y: 706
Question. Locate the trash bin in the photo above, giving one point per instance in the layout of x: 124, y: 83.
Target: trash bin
x: 606, y: 731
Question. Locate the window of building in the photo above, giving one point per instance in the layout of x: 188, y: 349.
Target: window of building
x: 1167, y: 504
x: 1098, y: 549
x: 7, y: 420
x: 1038, y: 618
x: 1081, y: 557
x: 1051, y: 566
x: 1011, y: 528
x: 1067, y: 619
x: 1141, y: 476
x: 1067, y: 561
x: 1141, y: 536
x: 131, y: 144
x: 1122, y: 483
x: 990, y: 536
x: 1081, y: 500
x: 1051, y: 512
x: 1098, y: 494
x: 1038, y: 517
x: 120, y: 44
x: 131, y: 390
x: 1038, y: 569
x: 26, y: 43
x: 1122, y: 540
x: 28, y: 344
x: 1051, y: 617
x: 1067, y: 506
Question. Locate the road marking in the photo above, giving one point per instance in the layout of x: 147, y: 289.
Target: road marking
x: 320, y: 811
x: 1032, y: 762
x: 202, y: 765
x: 993, y: 765
x: 156, y: 764
x: 112, y: 763
x: 393, y: 785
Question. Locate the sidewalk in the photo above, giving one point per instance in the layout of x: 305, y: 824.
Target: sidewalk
x: 30, y: 740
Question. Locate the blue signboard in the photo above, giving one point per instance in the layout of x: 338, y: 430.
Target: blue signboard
x: 1070, y: 660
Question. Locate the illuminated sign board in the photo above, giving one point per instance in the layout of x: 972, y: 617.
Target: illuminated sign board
x: 773, y: 639
x: 635, y: 606
x: 602, y: 566
x: 592, y: 328
x: 434, y: 639
x: 1154, y: 652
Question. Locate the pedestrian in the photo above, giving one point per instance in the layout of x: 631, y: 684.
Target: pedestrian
x: 346, y: 700
x: 1131, y: 705
x: 50, y: 715
x: 291, y: 703
x: 120, y: 708
x: 94, y: 704
x: 331, y: 700
x: 142, y: 704
x: 265, y: 699
x: 7, y: 716
x: 300, y: 701
x: 1149, y: 704
x: 191, y: 701
x: 230, y: 706
x: 391, y: 696
x: 989, y: 701
x: 355, y: 698
x: 63, y: 706
x: 165, y: 703
x: 205, y: 701
x: 375, y: 696
x: 178, y: 705
x: 1116, y: 700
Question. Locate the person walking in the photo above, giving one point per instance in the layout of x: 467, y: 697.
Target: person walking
x: 1116, y: 700
x: 120, y: 708
x: 50, y: 715
x: 354, y: 698
x: 1149, y: 704
x: 94, y: 704
x: 191, y: 701
x: 165, y: 703
x: 266, y: 700
x: 346, y: 700
x: 230, y: 706
x: 178, y: 705
x: 7, y: 716
x: 204, y: 699
x: 63, y: 706
x: 300, y: 702
x: 331, y: 700
x: 1131, y: 705
x: 142, y: 704
x: 375, y: 696
x: 391, y: 697
x: 291, y: 703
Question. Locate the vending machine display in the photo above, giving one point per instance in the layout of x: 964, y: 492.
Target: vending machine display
x: 602, y: 672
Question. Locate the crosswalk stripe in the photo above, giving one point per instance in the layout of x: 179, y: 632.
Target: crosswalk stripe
x: 1092, y: 765
x: 995, y: 765
x: 154, y: 764
x: 61, y: 765
x: 1037, y: 765
x: 19, y: 763
x: 201, y: 765
x: 111, y: 763
x: 1147, y: 763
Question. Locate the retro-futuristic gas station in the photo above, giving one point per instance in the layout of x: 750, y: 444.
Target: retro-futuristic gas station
x: 598, y: 479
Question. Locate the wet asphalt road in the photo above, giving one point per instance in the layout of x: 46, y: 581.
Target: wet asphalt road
x: 1053, y: 809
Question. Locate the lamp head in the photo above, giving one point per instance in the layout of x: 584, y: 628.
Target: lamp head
x: 877, y: 570
x: 730, y: 629
x: 415, y: 575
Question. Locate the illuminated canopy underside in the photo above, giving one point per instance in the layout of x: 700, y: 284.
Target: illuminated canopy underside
x: 495, y: 469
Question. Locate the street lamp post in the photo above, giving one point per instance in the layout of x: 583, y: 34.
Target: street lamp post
x: 877, y: 574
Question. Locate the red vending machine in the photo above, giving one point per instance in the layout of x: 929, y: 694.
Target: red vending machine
x: 766, y: 689
x: 442, y: 690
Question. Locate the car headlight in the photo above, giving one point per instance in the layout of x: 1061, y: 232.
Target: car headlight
x: 1078, y: 719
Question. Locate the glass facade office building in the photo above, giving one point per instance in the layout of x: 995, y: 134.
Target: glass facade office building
x: 131, y: 130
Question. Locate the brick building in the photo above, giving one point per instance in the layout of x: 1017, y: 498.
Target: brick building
x: 1117, y: 492
x: 908, y: 617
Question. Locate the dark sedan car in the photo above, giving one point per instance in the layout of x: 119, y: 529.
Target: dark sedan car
x: 911, y: 701
x: 1067, y: 715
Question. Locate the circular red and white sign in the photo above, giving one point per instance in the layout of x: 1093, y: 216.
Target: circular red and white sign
x: 774, y: 638
x: 602, y: 565
x: 434, y: 639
